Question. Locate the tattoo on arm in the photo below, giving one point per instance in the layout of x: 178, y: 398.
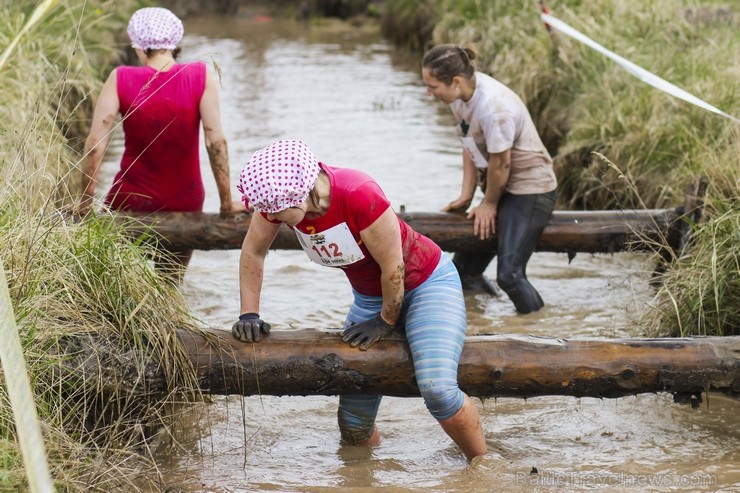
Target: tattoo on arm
x: 218, y: 155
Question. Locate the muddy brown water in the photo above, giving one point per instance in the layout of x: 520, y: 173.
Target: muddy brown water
x: 360, y: 103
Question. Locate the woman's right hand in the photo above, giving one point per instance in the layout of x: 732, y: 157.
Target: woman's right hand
x: 233, y: 208
x: 458, y: 205
x: 250, y: 327
x: 84, y: 206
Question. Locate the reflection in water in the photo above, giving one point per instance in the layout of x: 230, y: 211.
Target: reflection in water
x: 358, y: 103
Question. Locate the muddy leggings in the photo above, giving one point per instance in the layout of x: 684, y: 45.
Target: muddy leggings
x: 520, y: 221
x: 435, y: 324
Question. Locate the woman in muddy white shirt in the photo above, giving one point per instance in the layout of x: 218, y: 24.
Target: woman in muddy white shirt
x: 504, y: 155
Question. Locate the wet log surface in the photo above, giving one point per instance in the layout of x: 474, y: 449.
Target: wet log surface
x: 317, y: 362
x: 568, y: 231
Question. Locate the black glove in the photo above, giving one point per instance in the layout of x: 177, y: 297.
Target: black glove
x: 250, y: 327
x: 367, y: 333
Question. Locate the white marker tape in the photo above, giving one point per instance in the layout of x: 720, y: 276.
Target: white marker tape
x: 33, y: 450
x: 637, y: 71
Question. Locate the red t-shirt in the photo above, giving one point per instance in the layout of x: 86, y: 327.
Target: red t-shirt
x: 160, y: 166
x: 358, y: 201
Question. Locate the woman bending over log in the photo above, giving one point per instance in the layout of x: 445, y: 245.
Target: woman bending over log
x: 400, y: 280
x: 504, y: 155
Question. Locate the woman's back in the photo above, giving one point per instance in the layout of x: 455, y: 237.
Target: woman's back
x: 160, y: 167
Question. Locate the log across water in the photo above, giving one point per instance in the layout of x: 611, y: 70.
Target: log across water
x: 567, y: 231
x: 317, y: 362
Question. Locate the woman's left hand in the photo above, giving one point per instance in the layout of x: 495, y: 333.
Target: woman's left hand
x: 367, y: 333
x: 484, y: 216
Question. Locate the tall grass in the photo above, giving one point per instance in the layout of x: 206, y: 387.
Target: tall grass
x: 700, y: 294
x: 97, y: 323
x: 99, y: 328
x: 48, y: 83
x: 410, y: 23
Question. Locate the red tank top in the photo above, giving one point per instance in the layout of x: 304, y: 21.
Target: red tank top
x: 358, y: 201
x: 160, y: 167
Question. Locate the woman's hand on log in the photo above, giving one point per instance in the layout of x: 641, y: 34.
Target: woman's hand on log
x: 250, y: 327
x: 484, y: 217
x: 367, y: 333
x: 458, y: 205
x: 233, y: 208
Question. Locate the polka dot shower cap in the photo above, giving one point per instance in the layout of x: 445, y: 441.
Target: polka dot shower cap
x: 155, y: 28
x: 279, y: 176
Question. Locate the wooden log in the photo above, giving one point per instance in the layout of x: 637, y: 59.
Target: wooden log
x: 568, y: 231
x: 693, y: 209
x: 317, y: 362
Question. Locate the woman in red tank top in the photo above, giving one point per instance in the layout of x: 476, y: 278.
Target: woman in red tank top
x: 161, y: 103
x: 401, y: 281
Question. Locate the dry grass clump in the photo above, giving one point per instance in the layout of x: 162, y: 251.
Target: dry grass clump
x: 48, y: 81
x: 98, y: 326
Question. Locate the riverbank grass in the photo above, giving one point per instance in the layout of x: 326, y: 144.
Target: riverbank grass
x: 86, y: 297
x: 700, y: 293
x: 98, y: 324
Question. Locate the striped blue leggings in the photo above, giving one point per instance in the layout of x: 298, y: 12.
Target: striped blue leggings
x: 435, y: 324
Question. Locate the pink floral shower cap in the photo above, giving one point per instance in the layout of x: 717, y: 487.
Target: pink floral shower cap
x: 155, y: 28
x: 279, y: 176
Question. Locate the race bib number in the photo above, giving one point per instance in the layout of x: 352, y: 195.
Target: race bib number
x: 335, y: 247
x: 478, y: 159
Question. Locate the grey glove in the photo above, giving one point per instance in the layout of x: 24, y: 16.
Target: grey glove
x: 367, y: 333
x: 250, y: 327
